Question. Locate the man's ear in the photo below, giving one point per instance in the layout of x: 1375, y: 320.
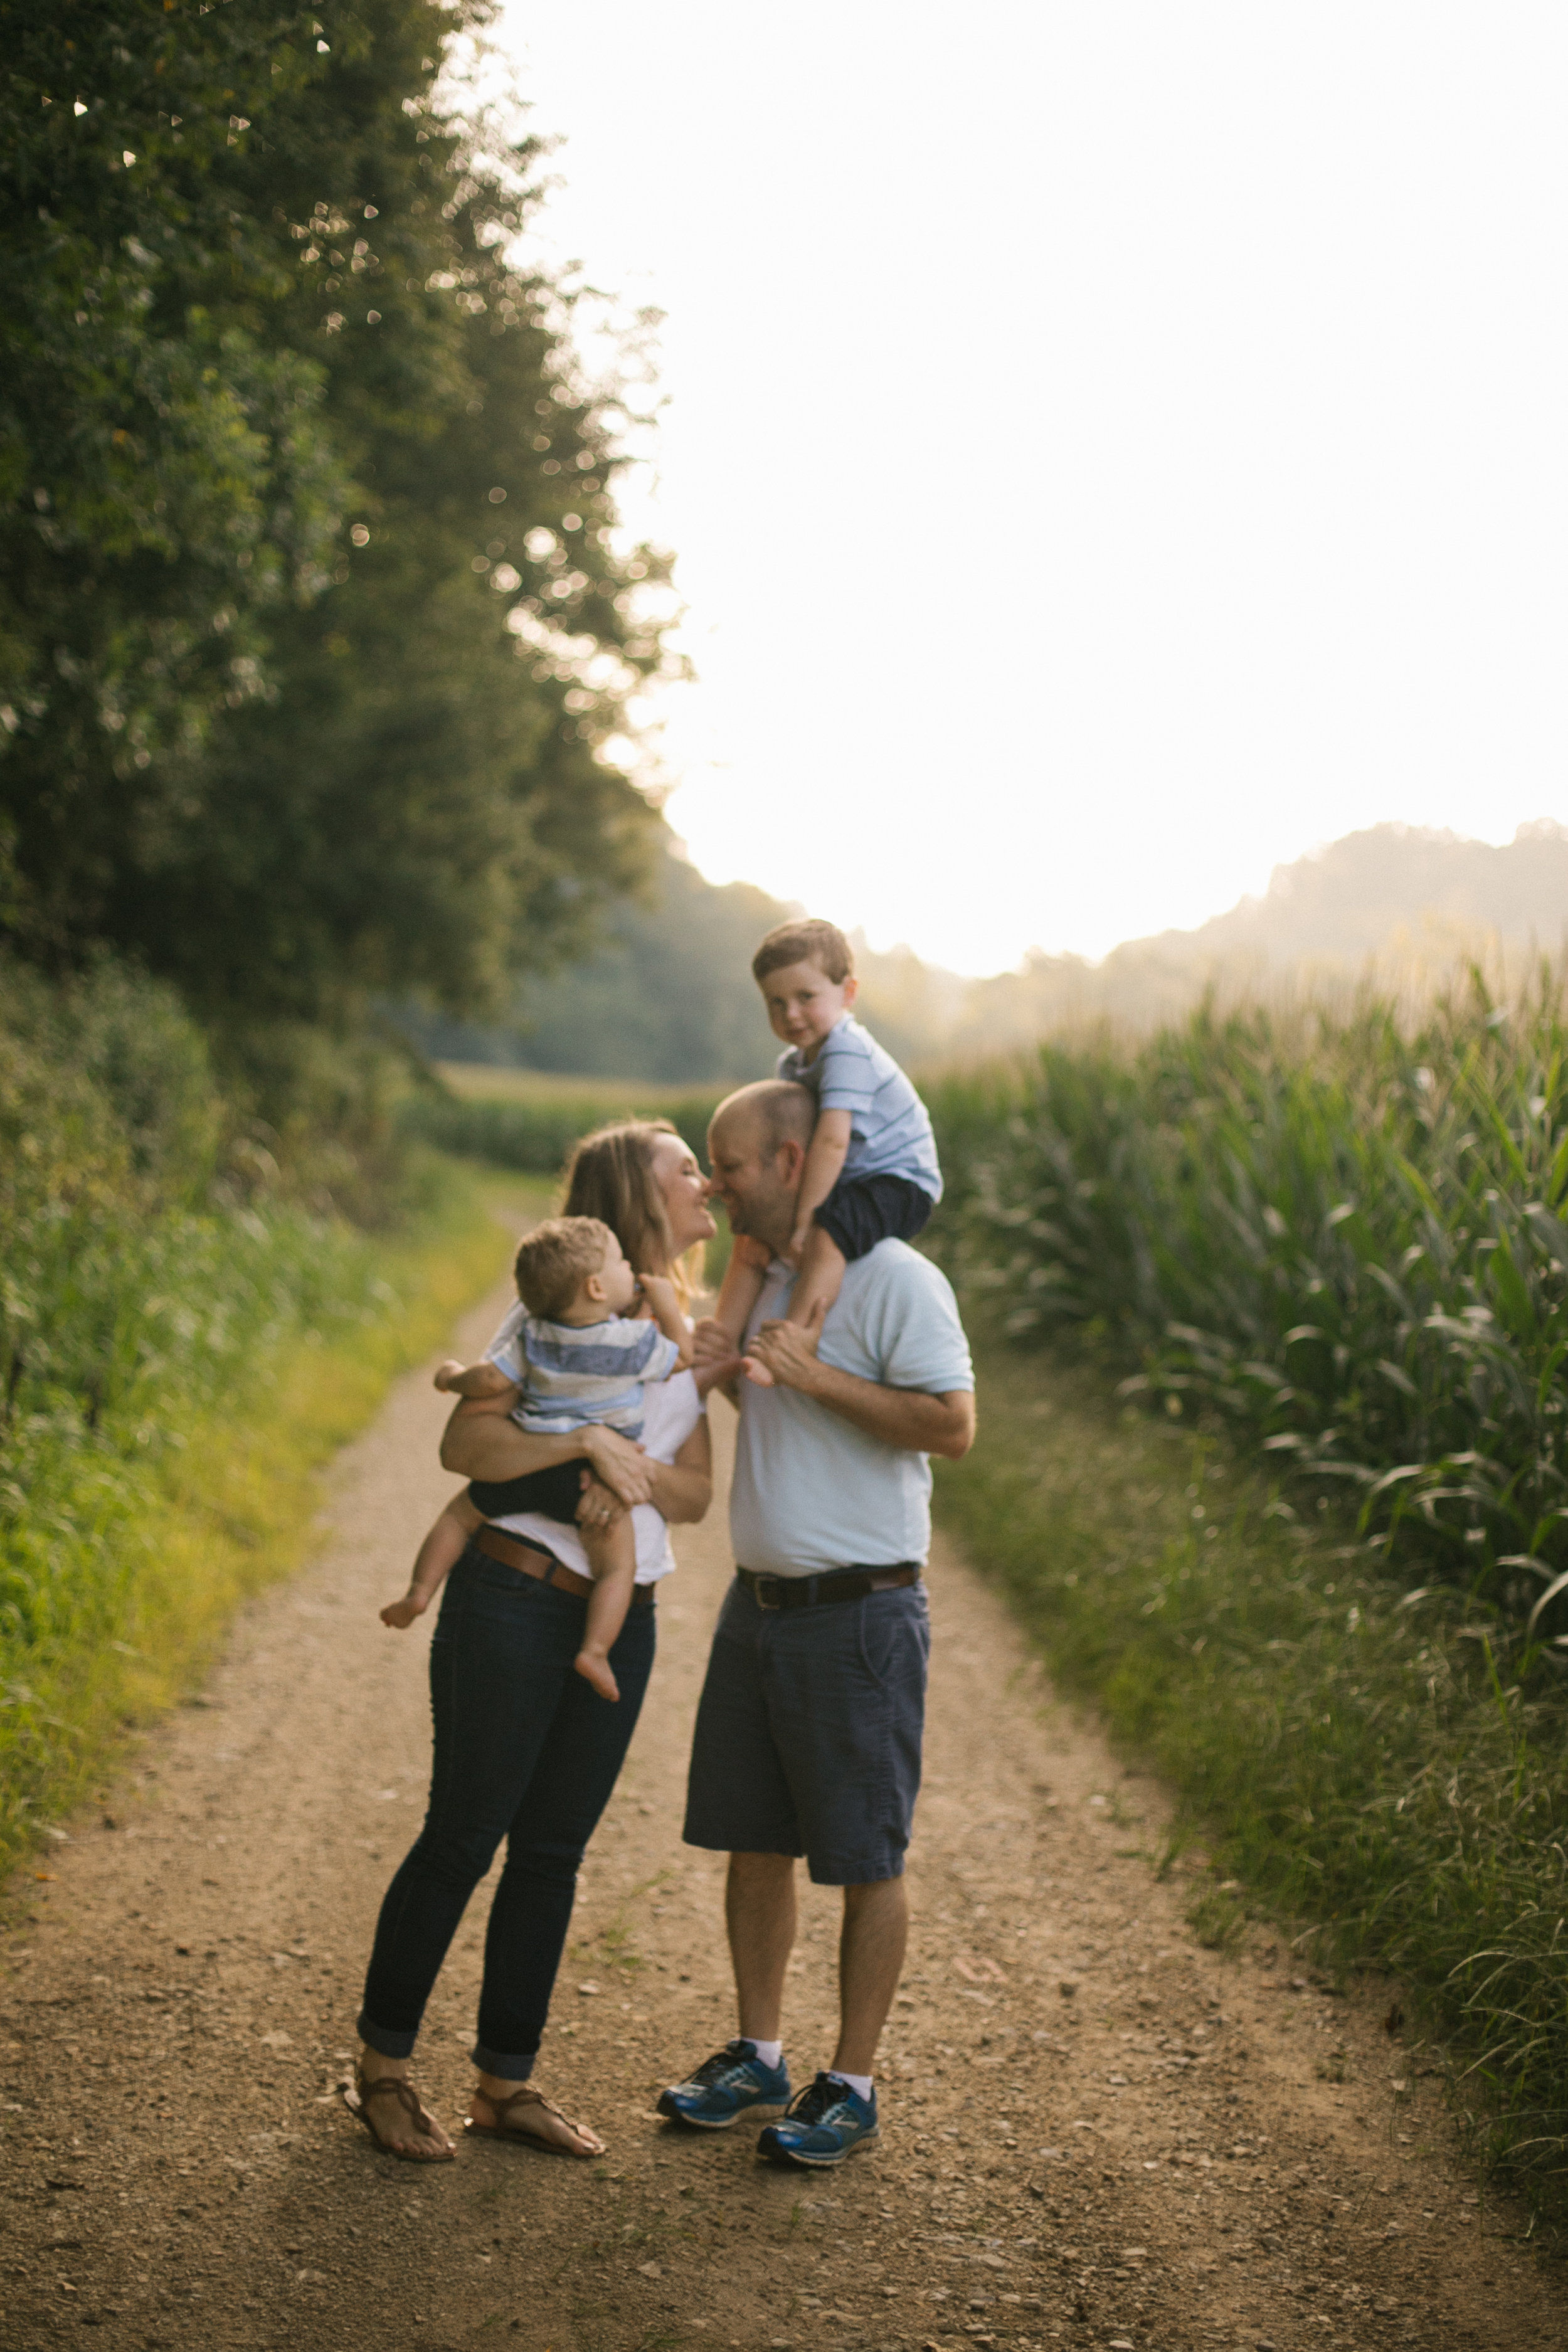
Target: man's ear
x: 791, y: 1160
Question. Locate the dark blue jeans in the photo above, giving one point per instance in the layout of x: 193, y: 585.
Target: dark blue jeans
x: 525, y: 1750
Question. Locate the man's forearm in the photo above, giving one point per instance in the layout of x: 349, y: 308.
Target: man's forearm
x: 909, y: 1419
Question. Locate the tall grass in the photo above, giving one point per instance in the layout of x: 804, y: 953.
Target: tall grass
x: 1361, y: 1765
x: 181, y: 1343
x: 1342, y: 1235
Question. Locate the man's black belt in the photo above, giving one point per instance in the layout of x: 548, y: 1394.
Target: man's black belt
x: 832, y: 1584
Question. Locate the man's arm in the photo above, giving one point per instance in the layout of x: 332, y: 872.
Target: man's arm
x: 909, y: 1419
x: 482, y: 1442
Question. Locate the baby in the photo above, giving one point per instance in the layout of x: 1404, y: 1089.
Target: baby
x: 569, y: 1356
x: 871, y: 1171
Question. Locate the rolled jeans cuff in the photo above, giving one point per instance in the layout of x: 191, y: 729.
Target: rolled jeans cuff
x: 515, y: 2067
x: 383, y: 2040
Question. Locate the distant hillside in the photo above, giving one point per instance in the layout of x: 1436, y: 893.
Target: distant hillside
x: 1349, y: 900
x: 1408, y: 902
x: 671, y: 997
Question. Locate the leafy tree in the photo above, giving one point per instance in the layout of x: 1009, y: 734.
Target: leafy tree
x: 283, y: 416
x: 668, y: 994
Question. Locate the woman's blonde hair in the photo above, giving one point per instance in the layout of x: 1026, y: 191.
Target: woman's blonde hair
x: 610, y: 1176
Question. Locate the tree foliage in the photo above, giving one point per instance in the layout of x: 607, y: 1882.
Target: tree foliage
x: 314, y: 612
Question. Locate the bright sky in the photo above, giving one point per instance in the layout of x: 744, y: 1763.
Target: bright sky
x: 1110, y: 448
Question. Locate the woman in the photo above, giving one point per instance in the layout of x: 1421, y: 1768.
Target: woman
x: 524, y: 1748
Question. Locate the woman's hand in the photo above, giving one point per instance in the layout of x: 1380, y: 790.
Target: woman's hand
x: 618, y: 1463
x: 599, y: 1508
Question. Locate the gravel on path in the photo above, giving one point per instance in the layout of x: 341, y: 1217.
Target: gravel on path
x: 1095, y: 2133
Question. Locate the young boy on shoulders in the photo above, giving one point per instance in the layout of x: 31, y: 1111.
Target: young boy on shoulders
x: 872, y: 1172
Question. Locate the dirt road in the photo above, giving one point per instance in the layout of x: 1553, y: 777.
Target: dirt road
x: 1095, y: 2133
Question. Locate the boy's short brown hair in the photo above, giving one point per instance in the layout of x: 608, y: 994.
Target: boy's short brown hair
x: 811, y: 942
x: 556, y: 1260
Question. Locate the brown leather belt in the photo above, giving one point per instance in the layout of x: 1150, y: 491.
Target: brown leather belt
x: 834, y: 1585
x: 516, y: 1551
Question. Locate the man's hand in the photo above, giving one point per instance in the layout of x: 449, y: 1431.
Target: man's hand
x: 788, y: 1350
x: 913, y: 1420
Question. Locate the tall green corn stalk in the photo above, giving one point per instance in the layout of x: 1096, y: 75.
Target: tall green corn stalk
x: 1343, y: 1235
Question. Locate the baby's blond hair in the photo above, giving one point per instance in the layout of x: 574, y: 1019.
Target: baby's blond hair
x: 556, y: 1260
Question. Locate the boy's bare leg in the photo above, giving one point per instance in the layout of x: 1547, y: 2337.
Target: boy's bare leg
x: 612, y: 1556
x: 817, y: 1284
x: 740, y: 1288
x: 436, y: 1557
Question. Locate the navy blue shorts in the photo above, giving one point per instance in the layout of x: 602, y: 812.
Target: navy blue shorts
x: 808, y: 1733
x: 862, y: 1211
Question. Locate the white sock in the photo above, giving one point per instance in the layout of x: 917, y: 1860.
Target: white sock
x: 860, y: 2084
x: 768, y: 2053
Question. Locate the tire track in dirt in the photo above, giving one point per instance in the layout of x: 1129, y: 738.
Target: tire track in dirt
x: 1095, y: 2133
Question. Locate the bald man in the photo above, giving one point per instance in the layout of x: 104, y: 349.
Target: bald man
x: 809, y: 1730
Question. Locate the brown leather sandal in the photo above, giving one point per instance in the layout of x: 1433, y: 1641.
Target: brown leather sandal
x: 357, y: 2097
x: 528, y: 2097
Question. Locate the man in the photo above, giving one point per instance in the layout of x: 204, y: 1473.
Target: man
x: 808, y: 1734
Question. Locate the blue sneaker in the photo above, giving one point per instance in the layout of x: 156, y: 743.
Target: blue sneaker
x: 732, y: 2083
x: 824, y: 2123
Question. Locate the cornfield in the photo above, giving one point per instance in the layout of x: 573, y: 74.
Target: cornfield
x: 1343, y: 1235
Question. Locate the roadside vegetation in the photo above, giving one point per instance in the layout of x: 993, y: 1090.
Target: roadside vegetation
x: 187, y: 1336
x: 1343, y: 1238
x: 1271, y: 1462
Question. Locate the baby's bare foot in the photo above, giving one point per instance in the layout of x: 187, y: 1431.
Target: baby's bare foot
x: 757, y: 1373
x: 445, y: 1373
x: 595, y: 1669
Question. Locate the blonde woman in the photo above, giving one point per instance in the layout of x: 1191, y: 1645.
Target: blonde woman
x: 524, y: 1748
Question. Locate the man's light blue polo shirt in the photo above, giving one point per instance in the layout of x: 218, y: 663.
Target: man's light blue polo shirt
x: 812, y: 1492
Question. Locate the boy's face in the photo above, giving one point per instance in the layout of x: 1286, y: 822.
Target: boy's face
x: 803, y: 1003
x: 617, y: 1283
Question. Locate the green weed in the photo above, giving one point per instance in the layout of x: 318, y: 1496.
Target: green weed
x: 1371, y: 1766
x: 1217, y: 1919
x: 181, y: 1368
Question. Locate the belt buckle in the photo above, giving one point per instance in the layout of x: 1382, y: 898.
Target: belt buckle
x: 759, y: 1597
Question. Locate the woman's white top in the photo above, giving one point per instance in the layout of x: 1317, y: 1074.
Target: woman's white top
x: 673, y: 1412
